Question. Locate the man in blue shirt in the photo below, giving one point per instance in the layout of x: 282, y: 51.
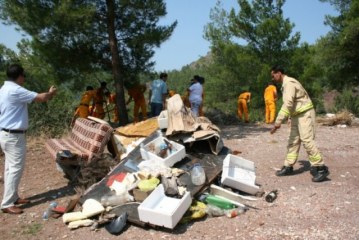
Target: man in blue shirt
x: 14, y: 121
x: 157, y: 95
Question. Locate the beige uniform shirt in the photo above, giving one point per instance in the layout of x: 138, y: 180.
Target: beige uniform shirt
x: 295, y: 99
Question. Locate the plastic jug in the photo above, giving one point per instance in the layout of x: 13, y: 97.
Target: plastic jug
x: 198, y: 176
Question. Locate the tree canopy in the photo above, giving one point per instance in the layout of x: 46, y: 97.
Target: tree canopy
x: 80, y: 37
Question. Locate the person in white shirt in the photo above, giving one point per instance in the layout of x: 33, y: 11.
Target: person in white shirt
x: 14, y: 121
x: 195, y: 95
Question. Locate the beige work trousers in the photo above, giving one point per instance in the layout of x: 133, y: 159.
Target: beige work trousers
x: 303, y: 131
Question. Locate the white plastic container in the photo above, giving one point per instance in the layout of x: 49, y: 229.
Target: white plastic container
x: 150, y: 152
x: 239, y: 173
x: 160, y: 210
x: 162, y: 120
x: 198, y: 176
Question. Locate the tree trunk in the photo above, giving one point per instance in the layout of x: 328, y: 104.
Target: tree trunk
x: 116, y: 64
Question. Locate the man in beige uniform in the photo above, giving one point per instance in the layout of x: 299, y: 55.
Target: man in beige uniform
x: 298, y: 106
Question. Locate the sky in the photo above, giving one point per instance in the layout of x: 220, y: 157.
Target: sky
x: 187, y: 44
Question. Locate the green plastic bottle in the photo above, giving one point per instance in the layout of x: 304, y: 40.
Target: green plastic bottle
x: 219, y: 202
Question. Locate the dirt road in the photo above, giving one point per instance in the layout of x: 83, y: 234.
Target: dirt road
x: 303, y: 209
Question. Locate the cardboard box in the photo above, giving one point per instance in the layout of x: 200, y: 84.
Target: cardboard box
x: 239, y: 173
x: 139, y: 195
x: 151, y: 150
x: 163, y: 120
x: 160, y: 210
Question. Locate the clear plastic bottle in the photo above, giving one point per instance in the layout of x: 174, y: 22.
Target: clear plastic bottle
x: 113, y: 200
x: 198, y: 176
x: 47, y: 214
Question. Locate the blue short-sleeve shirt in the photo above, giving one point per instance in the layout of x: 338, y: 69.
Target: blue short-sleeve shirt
x: 158, y: 88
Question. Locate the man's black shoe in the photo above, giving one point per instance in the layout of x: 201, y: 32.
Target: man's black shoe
x: 285, y: 171
x: 322, y: 174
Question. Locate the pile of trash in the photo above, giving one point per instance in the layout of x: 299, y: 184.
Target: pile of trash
x: 179, y: 173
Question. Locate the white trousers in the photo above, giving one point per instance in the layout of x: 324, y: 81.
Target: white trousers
x: 14, y: 147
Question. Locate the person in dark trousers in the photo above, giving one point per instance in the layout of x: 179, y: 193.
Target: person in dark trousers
x: 157, y: 95
x: 14, y: 121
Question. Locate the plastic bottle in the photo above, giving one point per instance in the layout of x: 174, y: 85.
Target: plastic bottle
x: 231, y: 213
x: 144, y: 153
x: 219, y: 202
x: 198, y: 176
x: 113, y: 200
x: 271, y: 196
x: 47, y: 214
x: 214, y: 211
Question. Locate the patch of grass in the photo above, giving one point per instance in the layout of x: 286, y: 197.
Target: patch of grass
x: 31, y: 229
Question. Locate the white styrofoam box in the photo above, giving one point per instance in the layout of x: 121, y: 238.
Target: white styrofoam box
x: 160, y: 210
x: 177, y: 155
x: 239, y: 173
x: 163, y: 120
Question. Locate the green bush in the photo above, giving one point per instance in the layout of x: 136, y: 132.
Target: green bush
x: 52, y: 118
x: 348, y: 100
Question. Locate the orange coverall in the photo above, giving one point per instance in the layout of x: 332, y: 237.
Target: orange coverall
x: 83, y: 110
x: 171, y: 93
x: 270, y: 97
x: 112, y: 99
x: 243, y: 99
x: 136, y: 93
x: 99, y: 100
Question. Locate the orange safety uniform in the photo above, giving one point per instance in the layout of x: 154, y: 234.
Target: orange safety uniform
x: 270, y: 97
x: 171, y: 93
x: 136, y: 93
x: 243, y: 99
x: 112, y: 99
x: 83, y: 110
x: 185, y: 99
x: 99, y: 100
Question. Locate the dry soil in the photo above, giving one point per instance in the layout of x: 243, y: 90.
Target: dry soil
x: 303, y: 209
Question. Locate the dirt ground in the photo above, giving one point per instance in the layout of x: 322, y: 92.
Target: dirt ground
x: 303, y: 209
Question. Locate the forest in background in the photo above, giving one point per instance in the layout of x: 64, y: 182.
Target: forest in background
x: 78, y: 43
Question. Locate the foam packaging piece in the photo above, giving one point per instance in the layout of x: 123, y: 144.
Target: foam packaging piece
x: 150, y: 151
x: 239, y: 173
x: 160, y: 210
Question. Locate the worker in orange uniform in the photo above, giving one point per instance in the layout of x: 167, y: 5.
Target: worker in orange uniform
x: 270, y: 98
x: 86, y: 98
x: 112, y: 99
x: 99, y: 101
x: 171, y: 93
x: 137, y: 94
x: 243, y: 99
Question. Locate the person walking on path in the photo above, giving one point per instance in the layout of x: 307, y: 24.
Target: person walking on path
x: 298, y: 106
x: 14, y: 99
x: 270, y: 98
x: 243, y: 99
x: 157, y: 95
